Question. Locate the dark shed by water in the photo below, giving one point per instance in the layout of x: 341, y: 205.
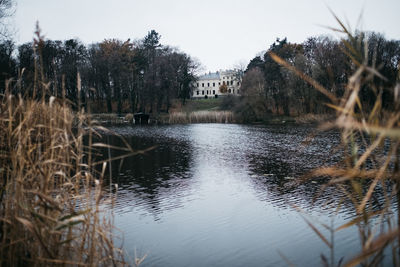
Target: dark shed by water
x: 141, y: 118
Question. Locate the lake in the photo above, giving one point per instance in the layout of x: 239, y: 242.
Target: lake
x: 226, y: 195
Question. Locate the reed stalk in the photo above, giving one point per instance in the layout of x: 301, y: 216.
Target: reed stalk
x: 370, y: 166
x: 52, y: 201
x: 203, y: 116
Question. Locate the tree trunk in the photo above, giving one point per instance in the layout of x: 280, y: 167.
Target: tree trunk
x: 108, y: 98
x: 133, y: 101
x: 117, y: 92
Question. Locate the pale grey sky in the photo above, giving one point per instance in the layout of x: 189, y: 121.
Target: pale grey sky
x: 219, y: 33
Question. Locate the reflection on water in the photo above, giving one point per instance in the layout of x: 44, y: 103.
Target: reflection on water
x: 223, y: 195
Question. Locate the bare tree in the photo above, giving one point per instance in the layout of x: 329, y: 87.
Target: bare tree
x: 240, y: 67
x: 6, y: 11
x: 253, y: 83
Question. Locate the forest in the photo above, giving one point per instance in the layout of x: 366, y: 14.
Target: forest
x: 269, y: 88
x: 144, y: 76
x: 116, y: 76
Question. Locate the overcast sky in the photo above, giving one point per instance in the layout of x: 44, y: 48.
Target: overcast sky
x: 219, y: 33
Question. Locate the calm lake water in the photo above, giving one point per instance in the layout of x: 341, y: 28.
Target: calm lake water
x: 225, y: 195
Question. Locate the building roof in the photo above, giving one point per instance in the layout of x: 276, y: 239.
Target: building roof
x: 216, y: 75
x: 228, y: 72
x: 209, y: 76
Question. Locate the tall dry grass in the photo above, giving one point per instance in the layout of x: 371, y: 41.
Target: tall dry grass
x: 51, y: 196
x: 370, y: 141
x: 203, y: 116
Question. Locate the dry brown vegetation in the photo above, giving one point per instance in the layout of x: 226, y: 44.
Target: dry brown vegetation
x: 371, y: 158
x: 51, y: 198
x: 203, y: 116
x: 53, y: 208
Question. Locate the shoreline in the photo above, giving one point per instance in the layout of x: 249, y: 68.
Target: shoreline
x: 165, y: 119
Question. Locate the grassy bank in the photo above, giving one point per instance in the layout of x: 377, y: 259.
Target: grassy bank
x: 193, y: 105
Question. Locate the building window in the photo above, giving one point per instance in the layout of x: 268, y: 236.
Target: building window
x: 197, y: 84
x: 229, y: 90
x: 219, y: 83
x: 233, y: 91
x: 207, y: 92
x: 231, y: 82
x: 213, y: 92
x: 213, y: 84
x: 202, y: 85
x: 238, y: 83
x: 202, y: 92
x: 198, y: 92
x: 208, y: 84
x: 223, y: 82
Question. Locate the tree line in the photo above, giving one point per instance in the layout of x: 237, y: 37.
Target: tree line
x: 143, y: 75
x: 115, y: 76
x: 269, y: 88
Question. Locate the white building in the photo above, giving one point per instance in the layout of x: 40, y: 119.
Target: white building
x: 220, y: 83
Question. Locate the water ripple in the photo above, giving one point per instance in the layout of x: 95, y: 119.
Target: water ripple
x: 224, y: 194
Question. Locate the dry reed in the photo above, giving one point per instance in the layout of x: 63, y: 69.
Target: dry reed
x: 371, y: 158
x: 50, y: 195
x: 52, y: 210
x: 201, y: 117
